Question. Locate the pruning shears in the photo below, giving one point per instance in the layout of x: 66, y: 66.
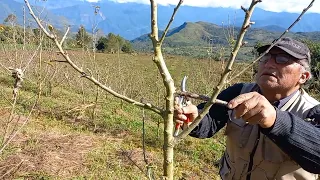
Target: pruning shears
x: 182, y: 103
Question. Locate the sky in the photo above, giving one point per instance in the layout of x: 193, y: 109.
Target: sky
x: 295, y: 6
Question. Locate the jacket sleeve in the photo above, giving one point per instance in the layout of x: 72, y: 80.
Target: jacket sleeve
x: 217, y: 116
x: 298, y: 138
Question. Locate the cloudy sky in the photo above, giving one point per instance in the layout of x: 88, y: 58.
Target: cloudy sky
x: 270, y: 5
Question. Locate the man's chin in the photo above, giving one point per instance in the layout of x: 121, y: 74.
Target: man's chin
x: 268, y: 85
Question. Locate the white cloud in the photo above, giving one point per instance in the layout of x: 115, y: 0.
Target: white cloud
x: 270, y: 5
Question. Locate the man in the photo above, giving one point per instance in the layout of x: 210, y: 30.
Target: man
x: 271, y: 130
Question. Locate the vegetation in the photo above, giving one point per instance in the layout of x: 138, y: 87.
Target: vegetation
x: 314, y: 84
x: 63, y: 141
x: 87, y: 135
x: 82, y: 37
x: 113, y: 43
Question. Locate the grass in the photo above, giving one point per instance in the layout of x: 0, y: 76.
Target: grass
x: 63, y: 140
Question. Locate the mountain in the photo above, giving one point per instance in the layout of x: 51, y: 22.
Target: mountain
x: 132, y: 20
x: 12, y: 7
x: 200, y: 33
x: 200, y: 38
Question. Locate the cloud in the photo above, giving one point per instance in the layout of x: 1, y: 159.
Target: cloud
x: 270, y: 5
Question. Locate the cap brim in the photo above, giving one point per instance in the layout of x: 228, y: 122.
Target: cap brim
x: 265, y: 47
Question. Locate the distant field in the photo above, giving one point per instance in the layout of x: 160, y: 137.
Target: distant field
x: 73, y: 135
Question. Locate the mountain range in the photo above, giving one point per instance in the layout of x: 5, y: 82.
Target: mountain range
x: 131, y: 20
x: 203, y: 39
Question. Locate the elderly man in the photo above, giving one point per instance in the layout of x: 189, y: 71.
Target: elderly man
x: 270, y: 130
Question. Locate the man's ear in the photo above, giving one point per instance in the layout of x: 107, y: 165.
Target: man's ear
x: 305, y: 76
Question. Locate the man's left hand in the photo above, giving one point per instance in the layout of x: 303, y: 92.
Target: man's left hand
x: 254, y: 109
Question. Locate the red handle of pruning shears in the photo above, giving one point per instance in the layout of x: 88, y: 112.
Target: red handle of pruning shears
x: 178, y: 125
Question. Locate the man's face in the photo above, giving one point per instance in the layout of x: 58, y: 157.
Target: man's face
x: 281, y: 78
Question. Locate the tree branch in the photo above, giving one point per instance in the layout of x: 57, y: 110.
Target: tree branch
x: 91, y: 78
x: 170, y: 22
x: 65, y: 36
x: 169, y: 99
x: 201, y: 97
x: 51, y: 36
x: 273, y: 43
x: 34, y: 54
x: 154, y: 27
x: 222, y: 82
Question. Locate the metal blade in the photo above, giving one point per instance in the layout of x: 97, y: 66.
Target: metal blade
x: 183, y: 84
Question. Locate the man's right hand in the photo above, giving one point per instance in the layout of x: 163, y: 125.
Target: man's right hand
x: 181, y: 112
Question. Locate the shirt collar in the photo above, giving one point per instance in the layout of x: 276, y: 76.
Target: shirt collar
x: 283, y: 101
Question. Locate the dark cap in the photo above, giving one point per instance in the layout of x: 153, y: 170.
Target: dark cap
x: 293, y: 47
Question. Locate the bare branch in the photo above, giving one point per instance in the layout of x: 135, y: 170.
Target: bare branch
x: 223, y: 78
x: 4, y: 67
x: 273, y: 43
x: 128, y: 155
x: 38, y: 21
x: 32, y: 57
x: 149, y: 172
x: 169, y: 99
x: 6, y: 129
x: 154, y: 27
x: 65, y: 36
x: 12, y: 136
x: 98, y: 83
x: 244, y: 9
x: 92, y: 79
x: 201, y: 97
x: 170, y: 22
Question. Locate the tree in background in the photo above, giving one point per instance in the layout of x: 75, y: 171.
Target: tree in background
x: 113, y: 43
x: 82, y: 38
x: 102, y: 44
x: 10, y: 31
x: 315, y: 58
x: 11, y: 19
x: 127, y: 47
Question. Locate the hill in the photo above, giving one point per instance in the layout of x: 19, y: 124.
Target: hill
x: 197, y: 38
x: 131, y: 20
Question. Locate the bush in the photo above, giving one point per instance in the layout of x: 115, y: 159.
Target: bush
x: 314, y: 47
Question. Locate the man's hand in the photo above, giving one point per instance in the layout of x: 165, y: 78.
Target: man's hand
x: 181, y: 112
x: 254, y: 108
